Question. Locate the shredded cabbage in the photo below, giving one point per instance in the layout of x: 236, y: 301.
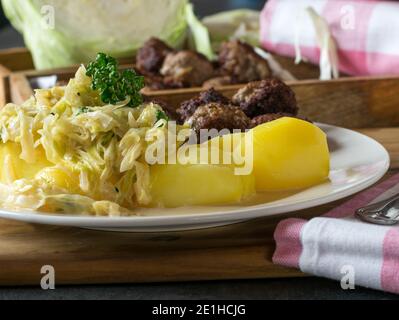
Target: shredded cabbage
x: 329, y: 61
x: 96, y: 149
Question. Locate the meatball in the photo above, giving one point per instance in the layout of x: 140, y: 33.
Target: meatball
x: 265, y: 118
x: 219, y: 117
x: 187, y: 108
x: 240, y: 61
x: 267, y: 96
x: 186, y: 69
x: 153, y: 82
x: 150, y: 57
x: 218, y: 82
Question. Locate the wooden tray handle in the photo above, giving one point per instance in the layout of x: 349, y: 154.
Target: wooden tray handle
x: 4, y: 73
x: 20, y: 88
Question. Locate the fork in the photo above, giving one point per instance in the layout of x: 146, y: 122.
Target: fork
x: 385, y: 212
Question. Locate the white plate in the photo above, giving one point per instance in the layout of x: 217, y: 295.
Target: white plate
x: 357, y: 162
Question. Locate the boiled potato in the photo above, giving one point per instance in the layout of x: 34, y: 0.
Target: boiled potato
x: 233, y: 151
x: 176, y: 185
x: 60, y: 178
x: 14, y: 168
x: 226, y: 143
x: 289, y: 154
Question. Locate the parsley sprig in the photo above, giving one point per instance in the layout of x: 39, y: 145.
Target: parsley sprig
x: 82, y: 110
x: 115, y: 86
x: 161, y: 116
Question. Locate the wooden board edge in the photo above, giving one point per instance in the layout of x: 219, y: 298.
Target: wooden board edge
x: 16, y: 59
x: 20, y: 88
x: 196, y: 90
x: 4, y: 85
x: 295, y: 83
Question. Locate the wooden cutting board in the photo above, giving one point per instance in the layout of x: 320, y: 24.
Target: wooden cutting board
x: 240, y: 251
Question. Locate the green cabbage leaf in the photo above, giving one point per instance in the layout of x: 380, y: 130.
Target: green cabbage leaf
x: 62, y: 33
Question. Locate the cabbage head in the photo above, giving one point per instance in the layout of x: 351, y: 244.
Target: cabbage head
x: 62, y: 33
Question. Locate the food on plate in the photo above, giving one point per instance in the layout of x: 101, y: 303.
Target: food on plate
x: 268, y: 117
x: 80, y: 147
x: 239, y: 61
x: 14, y: 167
x: 200, y: 184
x: 187, y: 108
x: 97, y: 146
x: 220, y: 117
x: 289, y: 154
x: 169, y: 111
x: 267, y: 96
x: 253, y: 105
x: 108, y: 85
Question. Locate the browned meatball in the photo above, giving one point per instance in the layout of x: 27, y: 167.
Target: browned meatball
x: 265, y: 118
x: 240, y: 61
x: 187, y: 108
x: 186, y: 69
x: 153, y: 82
x: 257, y: 121
x: 267, y: 96
x: 150, y: 57
x: 219, y: 117
x: 217, y: 82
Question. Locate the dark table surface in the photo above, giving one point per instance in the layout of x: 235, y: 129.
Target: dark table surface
x: 306, y: 288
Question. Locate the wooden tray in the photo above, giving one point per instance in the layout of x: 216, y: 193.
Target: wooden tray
x: 20, y: 59
x: 357, y: 102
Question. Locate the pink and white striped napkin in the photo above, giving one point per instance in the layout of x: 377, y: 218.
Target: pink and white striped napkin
x: 328, y: 245
x: 366, y: 32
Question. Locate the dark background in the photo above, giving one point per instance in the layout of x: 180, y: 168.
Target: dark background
x: 2, y: 19
x: 309, y: 288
